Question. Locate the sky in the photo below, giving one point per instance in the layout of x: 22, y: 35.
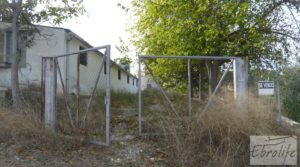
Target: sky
x: 103, y: 24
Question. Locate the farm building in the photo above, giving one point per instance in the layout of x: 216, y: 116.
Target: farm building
x: 53, y: 41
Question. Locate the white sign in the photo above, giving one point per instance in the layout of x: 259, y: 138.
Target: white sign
x: 265, y: 87
x: 273, y: 150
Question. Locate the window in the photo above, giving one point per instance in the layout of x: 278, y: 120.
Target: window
x: 133, y: 81
x: 5, y: 47
x: 128, y: 79
x: 137, y: 82
x: 119, y: 74
x: 82, y: 57
x: 104, y: 67
x: 2, y: 42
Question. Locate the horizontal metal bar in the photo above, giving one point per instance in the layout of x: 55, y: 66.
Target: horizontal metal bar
x: 191, y: 57
x: 81, y: 51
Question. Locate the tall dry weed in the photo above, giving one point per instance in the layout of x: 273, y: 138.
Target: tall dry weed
x: 221, y: 136
x: 15, y: 126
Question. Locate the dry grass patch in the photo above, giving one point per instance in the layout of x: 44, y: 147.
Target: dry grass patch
x: 220, y: 137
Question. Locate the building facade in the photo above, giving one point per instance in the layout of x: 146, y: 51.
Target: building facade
x: 51, y: 42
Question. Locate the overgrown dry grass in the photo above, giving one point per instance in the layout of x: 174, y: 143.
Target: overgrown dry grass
x: 220, y: 137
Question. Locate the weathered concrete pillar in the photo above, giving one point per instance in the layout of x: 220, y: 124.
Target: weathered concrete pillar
x: 240, y: 75
x: 49, y: 83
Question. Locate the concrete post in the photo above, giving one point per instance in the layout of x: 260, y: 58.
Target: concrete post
x: 49, y: 84
x: 240, y: 75
x: 107, y: 97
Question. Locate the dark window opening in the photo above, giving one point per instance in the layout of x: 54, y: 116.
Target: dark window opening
x: 6, y: 49
x: 137, y: 82
x: 128, y: 79
x: 119, y: 74
x: 104, y: 68
x: 82, y: 57
x: 133, y: 81
x: 8, y: 46
x: 2, y: 42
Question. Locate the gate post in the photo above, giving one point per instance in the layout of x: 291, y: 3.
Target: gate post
x: 240, y: 76
x: 49, y: 82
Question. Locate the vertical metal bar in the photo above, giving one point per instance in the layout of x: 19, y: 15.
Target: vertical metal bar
x: 67, y: 73
x: 107, y: 106
x: 279, y: 114
x: 64, y: 93
x: 78, y: 89
x: 50, y: 81
x: 140, y: 98
x: 189, y: 90
x: 216, y: 89
x: 43, y: 89
x: 200, y: 85
x: 162, y: 91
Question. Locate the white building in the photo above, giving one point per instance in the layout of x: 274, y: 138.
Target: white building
x: 52, y: 41
x: 148, y: 83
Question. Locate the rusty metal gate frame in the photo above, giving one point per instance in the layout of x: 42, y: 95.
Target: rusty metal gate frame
x: 188, y: 58
x: 50, y: 68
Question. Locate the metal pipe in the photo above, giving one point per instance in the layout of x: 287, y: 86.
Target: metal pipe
x: 78, y: 90
x: 279, y: 114
x: 200, y: 85
x: 140, y: 97
x: 82, y: 51
x: 192, y: 57
x: 189, y: 90
x: 43, y: 89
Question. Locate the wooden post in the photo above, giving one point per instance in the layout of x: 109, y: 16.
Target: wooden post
x: 49, y: 75
x: 240, y: 80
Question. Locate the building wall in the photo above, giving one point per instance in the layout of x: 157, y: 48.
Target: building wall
x: 88, y: 74
x: 56, y: 41
x: 122, y: 84
x: 49, y: 43
x: 148, y: 83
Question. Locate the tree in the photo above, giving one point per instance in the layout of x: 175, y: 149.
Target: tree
x: 291, y: 92
x: 258, y: 30
x: 26, y: 13
x: 124, y: 61
x: 125, y: 51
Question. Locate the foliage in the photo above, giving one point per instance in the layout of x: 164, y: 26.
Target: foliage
x: 125, y: 61
x: 257, y: 29
x: 291, y: 93
x: 39, y: 11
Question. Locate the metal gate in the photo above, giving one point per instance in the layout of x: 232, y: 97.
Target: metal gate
x: 75, y: 100
x: 239, y: 78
